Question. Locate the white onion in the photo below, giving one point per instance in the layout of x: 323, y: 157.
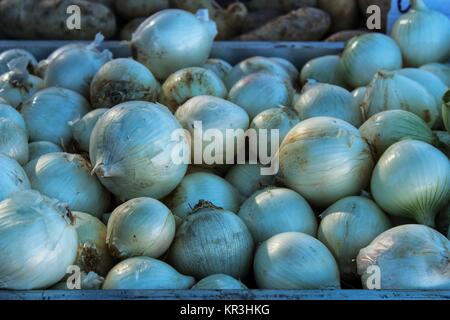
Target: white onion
x: 211, y: 241
x: 288, y: 66
x: 388, y: 127
x: 67, y: 177
x: 408, y: 257
x: 186, y: 83
x: 13, y: 141
x: 446, y: 110
x: 219, y: 282
x: 131, y: 149
x: 214, y: 113
x: 390, y: 91
x: 12, y: 177
x: 201, y: 186
x: 74, y: 69
x: 326, y: 69
x: 9, y: 55
x: 156, y: 43
x: 93, y: 254
x: 8, y: 112
x: 146, y: 273
x: 48, y: 113
x: 43, y: 64
x: 219, y: 67
x: 38, y: 242
x: 322, y: 99
x: 140, y: 227
x: 122, y: 80
x: 39, y: 148
x: 412, y: 179
x: 258, y: 92
x: 422, y: 35
x: 276, y: 210
x: 82, y: 128
x: 367, y: 54
x: 349, y: 225
x: 325, y: 159
x: 247, y: 178
x: 294, y: 260
x: 440, y: 70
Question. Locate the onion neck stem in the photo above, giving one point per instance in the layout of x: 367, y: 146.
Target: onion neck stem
x: 418, y: 5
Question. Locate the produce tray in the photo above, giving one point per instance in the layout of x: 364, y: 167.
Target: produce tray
x: 232, y: 51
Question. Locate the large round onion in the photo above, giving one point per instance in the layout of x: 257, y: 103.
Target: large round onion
x: 406, y: 257
x: 412, y: 179
x: 325, y: 159
x: 294, y: 260
x: 38, y: 241
x: 13, y: 141
x: 131, y: 148
x: 12, y: 177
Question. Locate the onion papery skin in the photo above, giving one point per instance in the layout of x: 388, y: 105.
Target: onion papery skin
x: 93, y: 254
x: 212, y: 241
x: 146, y: 273
x: 201, y: 186
x: 191, y: 82
x: 367, y: 54
x: 294, y: 260
x: 422, y: 35
x: 12, y: 177
x: 156, y: 42
x: 9, y: 55
x: 67, y: 177
x: 409, y: 257
x: 272, y: 211
x: 349, y: 225
x: 122, y: 80
x: 412, y: 179
x: 38, y: 241
x: 13, y: 141
x: 391, y: 91
x: 219, y: 282
x: 15, y: 89
x: 8, y: 112
x: 219, y: 67
x: 388, y: 127
x: 140, y: 227
x: 325, y: 159
x: 39, y: 148
x: 327, y: 100
x: 440, y: 70
x: 326, y: 69
x: 247, y: 178
x: 82, y: 128
x: 131, y: 150
x: 48, y: 114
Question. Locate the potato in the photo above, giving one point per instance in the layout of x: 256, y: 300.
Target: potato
x: 229, y: 21
x: 385, y: 6
x: 281, y: 5
x: 108, y: 3
x: 256, y: 19
x: 129, y: 9
x: 305, y: 24
x: 127, y: 31
x: 344, y: 36
x: 344, y: 14
x: 47, y: 19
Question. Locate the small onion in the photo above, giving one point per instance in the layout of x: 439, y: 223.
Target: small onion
x: 9, y: 55
x: 446, y: 110
x: 276, y: 210
x: 156, y: 43
x: 8, y: 112
x: 288, y: 66
x: 93, y: 254
x: 13, y: 141
x: 122, y: 80
x: 349, y: 225
x: 12, y: 177
x: 48, y: 114
x: 211, y: 241
x: 388, y: 127
x: 146, y: 273
x: 367, y: 54
x: 407, y: 257
x: 38, y: 242
x: 258, y: 92
x: 326, y: 69
x: 390, y: 91
x: 201, y: 186
x: 82, y: 128
x: 422, y: 35
x: 325, y: 159
x: 39, y: 148
x: 140, y: 227
x: 247, y: 178
x: 294, y: 260
x: 219, y: 282
x: 131, y: 149
x: 219, y: 67
x: 322, y: 99
x: 67, y: 177
x: 190, y: 82
x: 440, y: 70
x: 412, y: 179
